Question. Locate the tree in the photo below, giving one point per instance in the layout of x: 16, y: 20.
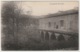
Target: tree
x: 10, y: 15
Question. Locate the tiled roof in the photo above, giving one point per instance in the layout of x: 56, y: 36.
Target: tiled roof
x: 60, y: 13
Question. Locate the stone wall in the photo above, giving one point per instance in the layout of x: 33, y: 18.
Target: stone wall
x: 70, y: 23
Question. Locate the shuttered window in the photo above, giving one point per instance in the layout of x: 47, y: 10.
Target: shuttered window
x: 61, y: 23
x: 49, y: 24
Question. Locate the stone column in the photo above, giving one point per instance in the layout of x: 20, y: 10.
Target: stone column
x: 40, y: 32
x: 56, y: 34
x: 49, y: 35
x: 44, y: 34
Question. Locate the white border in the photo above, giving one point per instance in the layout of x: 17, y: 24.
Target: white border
x: 38, y: 1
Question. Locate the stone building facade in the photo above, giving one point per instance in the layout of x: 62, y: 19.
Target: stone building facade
x: 63, y: 22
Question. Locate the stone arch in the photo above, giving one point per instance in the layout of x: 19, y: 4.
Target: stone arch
x: 66, y: 37
x: 61, y: 37
x: 46, y: 36
x: 53, y: 37
x: 73, y: 38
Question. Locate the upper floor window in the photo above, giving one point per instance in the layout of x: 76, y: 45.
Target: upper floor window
x: 61, y: 23
x: 49, y: 24
x: 54, y: 24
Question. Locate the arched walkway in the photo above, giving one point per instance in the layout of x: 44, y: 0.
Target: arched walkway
x: 42, y: 35
x: 53, y: 37
x: 46, y: 36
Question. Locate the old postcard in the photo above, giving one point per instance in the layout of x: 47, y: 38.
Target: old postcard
x: 39, y: 25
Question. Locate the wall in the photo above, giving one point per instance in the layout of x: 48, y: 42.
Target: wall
x: 75, y: 20
x: 70, y: 23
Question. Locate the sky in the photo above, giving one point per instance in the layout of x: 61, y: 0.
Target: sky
x: 44, y: 8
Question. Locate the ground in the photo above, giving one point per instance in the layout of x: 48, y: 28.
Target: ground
x: 30, y: 39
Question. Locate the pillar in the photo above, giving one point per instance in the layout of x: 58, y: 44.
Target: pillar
x: 56, y: 35
x: 50, y: 35
x: 44, y: 35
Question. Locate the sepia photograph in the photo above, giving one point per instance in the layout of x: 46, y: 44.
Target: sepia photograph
x: 40, y: 26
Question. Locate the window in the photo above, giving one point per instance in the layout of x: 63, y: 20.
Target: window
x: 70, y: 25
x: 61, y: 23
x: 49, y: 24
x: 54, y: 24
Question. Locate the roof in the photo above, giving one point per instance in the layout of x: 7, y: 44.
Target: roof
x: 60, y: 13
